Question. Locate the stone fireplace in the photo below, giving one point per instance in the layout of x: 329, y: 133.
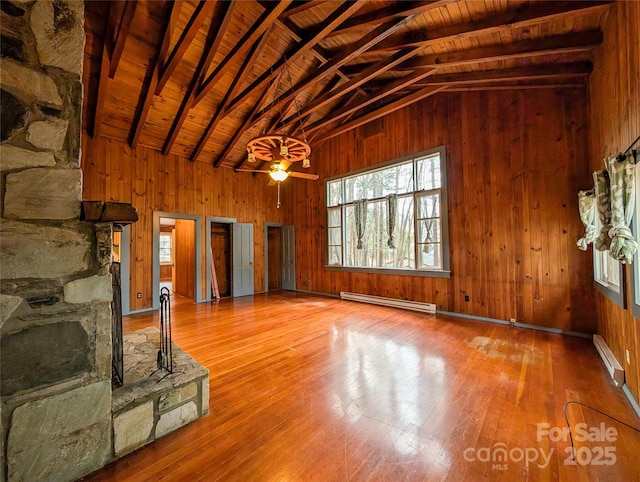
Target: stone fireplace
x: 57, y: 407
x: 55, y: 332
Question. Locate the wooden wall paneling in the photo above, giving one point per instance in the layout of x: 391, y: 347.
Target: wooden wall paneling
x: 154, y: 182
x: 184, y: 258
x: 614, y: 111
x: 512, y: 228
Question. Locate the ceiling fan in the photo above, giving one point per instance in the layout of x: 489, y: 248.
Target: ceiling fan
x: 279, y: 173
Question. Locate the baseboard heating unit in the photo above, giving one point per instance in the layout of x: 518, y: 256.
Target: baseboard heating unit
x: 393, y: 302
x: 613, y: 367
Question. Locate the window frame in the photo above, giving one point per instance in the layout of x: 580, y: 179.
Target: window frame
x: 608, y: 290
x: 635, y: 268
x: 160, y: 248
x: 445, y: 271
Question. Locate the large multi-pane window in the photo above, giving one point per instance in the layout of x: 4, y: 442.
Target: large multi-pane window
x: 391, y: 217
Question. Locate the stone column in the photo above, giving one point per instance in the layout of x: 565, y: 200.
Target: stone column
x: 55, y: 312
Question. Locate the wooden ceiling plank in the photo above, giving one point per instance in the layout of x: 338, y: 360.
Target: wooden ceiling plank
x: 384, y: 110
x: 337, y: 17
x: 264, y: 22
x: 299, y: 6
x: 217, y: 30
x: 392, y: 88
x: 121, y: 37
x: 342, y: 58
x: 528, y: 14
x: 152, y: 74
x: 219, y: 114
x: 397, y: 9
x: 203, y: 10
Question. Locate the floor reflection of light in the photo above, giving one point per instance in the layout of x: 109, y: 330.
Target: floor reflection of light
x: 386, y: 383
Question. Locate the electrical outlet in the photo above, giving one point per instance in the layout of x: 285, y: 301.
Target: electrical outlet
x: 628, y: 357
x: 512, y: 321
x: 139, y: 295
x: 466, y: 298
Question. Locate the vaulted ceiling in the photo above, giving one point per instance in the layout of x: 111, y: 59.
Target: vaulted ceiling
x: 201, y: 78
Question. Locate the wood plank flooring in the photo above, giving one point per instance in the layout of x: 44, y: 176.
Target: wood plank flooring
x: 310, y: 388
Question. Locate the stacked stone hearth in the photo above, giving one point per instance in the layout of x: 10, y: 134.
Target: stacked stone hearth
x: 55, y: 314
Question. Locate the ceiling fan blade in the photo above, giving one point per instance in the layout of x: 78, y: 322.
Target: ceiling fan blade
x: 304, y: 175
x: 252, y: 170
x: 284, y: 164
x: 271, y: 182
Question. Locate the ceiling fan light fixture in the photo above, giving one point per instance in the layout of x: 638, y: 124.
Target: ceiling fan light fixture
x: 279, y: 175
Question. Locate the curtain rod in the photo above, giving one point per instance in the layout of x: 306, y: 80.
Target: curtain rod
x: 621, y: 157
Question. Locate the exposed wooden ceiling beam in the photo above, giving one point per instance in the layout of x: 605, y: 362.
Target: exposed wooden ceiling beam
x: 246, y: 123
x: 338, y: 16
x: 390, y: 89
x: 327, y: 88
x: 260, y: 26
x: 340, y: 59
x: 519, y: 86
x: 318, y: 52
x: 384, y: 110
x: 397, y: 9
x: 152, y: 74
x: 366, y: 75
x: 538, y: 72
x: 570, y: 43
x: 124, y: 28
x: 528, y: 14
x: 255, y: 49
x: 219, y: 25
x: 381, y: 67
x: 203, y: 10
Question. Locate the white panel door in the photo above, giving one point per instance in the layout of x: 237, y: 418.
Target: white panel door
x: 242, y: 259
x: 288, y: 258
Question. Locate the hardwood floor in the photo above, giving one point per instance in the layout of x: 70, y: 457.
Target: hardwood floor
x: 310, y: 388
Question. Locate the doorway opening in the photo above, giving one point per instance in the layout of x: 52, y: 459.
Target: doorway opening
x: 221, y: 257
x: 176, y: 256
x: 273, y: 259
